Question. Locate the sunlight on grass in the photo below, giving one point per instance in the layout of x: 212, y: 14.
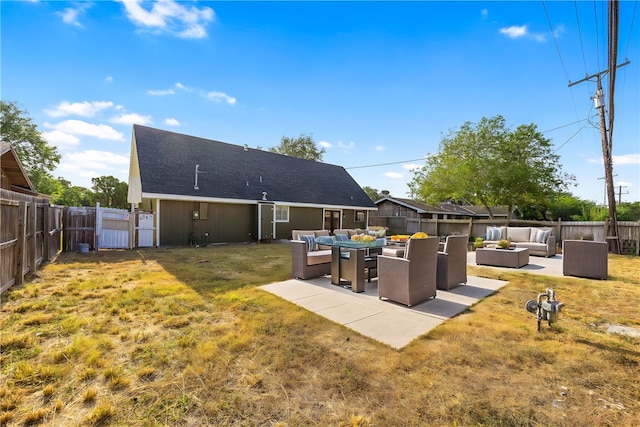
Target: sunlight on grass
x: 183, y: 336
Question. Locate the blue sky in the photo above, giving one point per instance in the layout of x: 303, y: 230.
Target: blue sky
x: 374, y: 83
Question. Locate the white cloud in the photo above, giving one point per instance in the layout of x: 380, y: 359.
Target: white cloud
x: 393, y: 175
x: 484, y: 13
x: 161, y: 92
x: 71, y: 14
x: 181, y: 86
x: 627, y: 159
x: 325, y: 144
x: 79, y: 127
x: 171, y: 122
x: 514, y: 31
x: 346, y: 147
x: 221, y: 96
x: 108, y: 79
x: 82, y: 109
x: 623, y: 184
x: 379, y: 148
x: 96, y: 159
x: 171, y: 17
x: 131, y: 118
x: 60, y: 139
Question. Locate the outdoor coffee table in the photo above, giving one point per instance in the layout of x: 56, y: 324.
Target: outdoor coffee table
x: 512, y: 257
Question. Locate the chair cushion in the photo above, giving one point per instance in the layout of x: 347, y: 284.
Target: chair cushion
x: 342, y: 237
x: 311, y: 242
x: 324, y: 240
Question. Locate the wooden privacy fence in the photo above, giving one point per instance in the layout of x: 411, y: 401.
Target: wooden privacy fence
x: 628, y: 231
x: 30, y: 234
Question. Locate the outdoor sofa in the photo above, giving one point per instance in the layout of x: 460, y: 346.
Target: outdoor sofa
x: 539, y: 241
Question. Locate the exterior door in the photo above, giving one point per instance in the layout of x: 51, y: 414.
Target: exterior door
x: 331, y: 220
x: 266, y: 221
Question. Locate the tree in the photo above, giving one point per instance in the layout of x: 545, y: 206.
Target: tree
x: 110, y: 192
x: 487, y: 164
x: 373, y: 193
x: 69, y: 195
x: 36, y: 155
x: 302, y: 147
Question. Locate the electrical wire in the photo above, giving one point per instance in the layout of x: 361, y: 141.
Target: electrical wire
x: 584, y: 59
x: 425, y: 158
x: 595, y: 15
x: 555, y: 41
x: 633, y: 16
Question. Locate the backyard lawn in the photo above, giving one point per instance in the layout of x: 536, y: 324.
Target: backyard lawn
x: 183, y: 336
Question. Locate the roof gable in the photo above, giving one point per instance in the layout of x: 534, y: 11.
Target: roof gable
x: 14, y: 177
x: 165, y: 163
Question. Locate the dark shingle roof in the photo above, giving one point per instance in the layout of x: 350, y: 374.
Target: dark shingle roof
x: 167, y: 163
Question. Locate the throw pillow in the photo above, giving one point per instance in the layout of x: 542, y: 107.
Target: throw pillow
x: 533, y: 235
x: 342, y: 238
x: 311, y: 242
x: 324, y: 240
x: 494, y: 233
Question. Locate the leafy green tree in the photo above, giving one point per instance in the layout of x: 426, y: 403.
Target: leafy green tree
x: 72, y: 195
x: 372, y: 193
x: 36, y: 155
x: 110, y: 192
x: 488, y: 164
x: 302, y: 147
x: 628, y: 211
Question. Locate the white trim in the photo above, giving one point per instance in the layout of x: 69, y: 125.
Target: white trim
x: 177, y: 197
x: 157, y: 222
x: 275, y: 214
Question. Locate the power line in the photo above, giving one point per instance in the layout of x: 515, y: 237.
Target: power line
x: 555, y: 41
x: 584, y: 59
x: 386, y: 164
x: 424, y: 158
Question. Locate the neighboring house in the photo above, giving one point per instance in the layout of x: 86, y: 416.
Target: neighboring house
x: 203, y: 191
x: 13, y: 175
x: 407, y: 208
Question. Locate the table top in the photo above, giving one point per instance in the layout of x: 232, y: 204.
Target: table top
x: 352, y: 244
x: 503, y: 249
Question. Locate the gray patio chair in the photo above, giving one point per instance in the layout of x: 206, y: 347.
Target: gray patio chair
x: 452, y: 262
x: 411, y: 279
x: 585, y: 258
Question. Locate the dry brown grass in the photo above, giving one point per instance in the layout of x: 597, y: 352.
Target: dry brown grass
x: 184, y: 337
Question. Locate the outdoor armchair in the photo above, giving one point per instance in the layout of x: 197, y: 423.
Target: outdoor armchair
x: 452, y: 262
x: 585, y: 258
x: 411, y: 279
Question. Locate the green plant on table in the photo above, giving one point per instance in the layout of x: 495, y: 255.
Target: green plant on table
x: 478, y: 243
x: 503, y: 243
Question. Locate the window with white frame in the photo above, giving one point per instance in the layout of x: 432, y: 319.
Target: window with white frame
x: 282, y: 213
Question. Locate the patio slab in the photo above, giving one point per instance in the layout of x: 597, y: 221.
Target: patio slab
x: 388, y: 322
x: 385, y: 321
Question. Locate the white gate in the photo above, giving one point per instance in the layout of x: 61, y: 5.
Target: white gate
x: 145, y: 230
x: 112, y: 228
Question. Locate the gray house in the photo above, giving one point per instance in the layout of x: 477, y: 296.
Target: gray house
x: 203, y: 191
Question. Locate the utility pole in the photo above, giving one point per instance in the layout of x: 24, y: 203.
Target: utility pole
x: 620, y: 193
x: 604, y: 135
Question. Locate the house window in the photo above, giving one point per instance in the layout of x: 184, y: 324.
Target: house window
x: 359, y: 216
x: 282, y: 213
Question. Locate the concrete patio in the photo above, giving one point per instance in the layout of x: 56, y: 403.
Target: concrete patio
x: 390, y: 323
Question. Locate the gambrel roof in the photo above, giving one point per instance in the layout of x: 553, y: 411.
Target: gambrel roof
x: 169, y: 165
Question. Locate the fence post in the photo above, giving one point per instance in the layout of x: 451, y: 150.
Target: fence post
x: 19, y: 255
x: 33, y: 243
x: 46, y: 237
